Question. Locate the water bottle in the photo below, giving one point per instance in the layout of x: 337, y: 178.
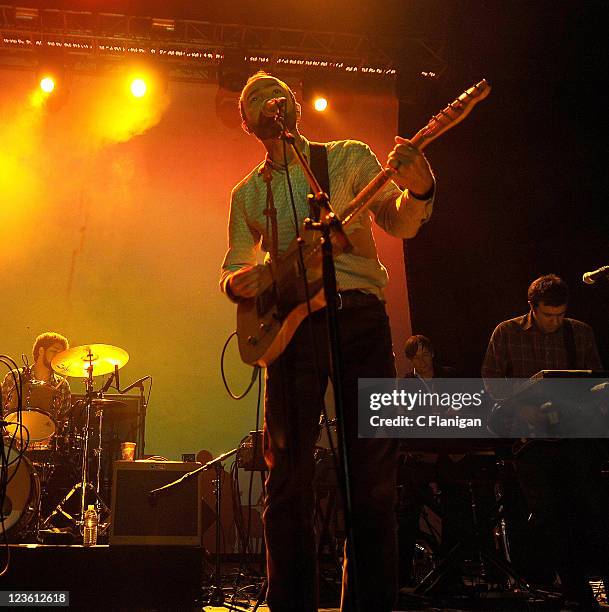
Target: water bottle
x: 90, y: 527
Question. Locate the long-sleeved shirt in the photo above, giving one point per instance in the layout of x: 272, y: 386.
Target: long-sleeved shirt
x: 351, y: 166
x: 518, y: 349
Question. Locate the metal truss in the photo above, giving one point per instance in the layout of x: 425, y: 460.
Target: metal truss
x: 195, y: 50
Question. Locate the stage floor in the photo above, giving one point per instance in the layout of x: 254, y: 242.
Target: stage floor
x: 152, y: 578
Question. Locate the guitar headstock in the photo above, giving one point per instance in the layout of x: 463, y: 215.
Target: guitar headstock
x: 454, y: 113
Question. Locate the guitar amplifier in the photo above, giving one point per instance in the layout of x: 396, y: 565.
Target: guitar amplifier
x: 173, y: 517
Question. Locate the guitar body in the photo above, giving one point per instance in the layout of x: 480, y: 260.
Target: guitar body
x: 266, y: 324
x: 262, y: 338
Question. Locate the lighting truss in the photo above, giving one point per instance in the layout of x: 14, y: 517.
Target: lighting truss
x: 192, y: 50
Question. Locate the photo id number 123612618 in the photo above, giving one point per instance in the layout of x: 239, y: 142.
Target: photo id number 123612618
x: 34, y: 598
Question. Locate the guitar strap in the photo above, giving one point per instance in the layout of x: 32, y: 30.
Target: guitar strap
x: 319, y: 165
x: 569, y: 340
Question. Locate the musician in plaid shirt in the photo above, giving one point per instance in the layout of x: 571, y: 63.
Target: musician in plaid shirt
x: 561, y: 480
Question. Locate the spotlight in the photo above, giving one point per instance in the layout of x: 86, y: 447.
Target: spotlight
x: 316, y: 92
x: 51, y: 78
x: 51, y: 91
x: 47, y: 84
x: 320, y: 104
x: 143, y: 80
x: 138, y: 87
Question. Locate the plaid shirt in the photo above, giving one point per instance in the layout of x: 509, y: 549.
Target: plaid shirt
x: 518, y: 349
x: 62, y: 399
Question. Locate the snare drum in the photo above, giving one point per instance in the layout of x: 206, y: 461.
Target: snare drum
x: 22, y: 500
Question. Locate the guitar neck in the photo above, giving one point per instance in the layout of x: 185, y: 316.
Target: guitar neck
x: 364, y: 198
x: 447, y: 118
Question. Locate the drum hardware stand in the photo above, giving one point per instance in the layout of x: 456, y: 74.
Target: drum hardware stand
x: 484, y: 553
x: 44, y: 477
x: 216, y: 595
x: 84, y: 485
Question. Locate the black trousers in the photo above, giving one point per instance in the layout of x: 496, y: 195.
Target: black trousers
x: 294, y: 397
x: 567, y: 499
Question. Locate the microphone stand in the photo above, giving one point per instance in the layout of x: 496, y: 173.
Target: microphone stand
x: 330, y: 225
x: 216, y: 596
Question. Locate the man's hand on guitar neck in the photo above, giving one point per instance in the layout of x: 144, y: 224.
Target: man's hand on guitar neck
x: 249, y: 282
x: 411, y: 166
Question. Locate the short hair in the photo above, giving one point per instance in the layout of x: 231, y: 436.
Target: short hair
x: 48, y: 339
x: 549, y: 289
x: 260, y: 74
x: 414, y: 342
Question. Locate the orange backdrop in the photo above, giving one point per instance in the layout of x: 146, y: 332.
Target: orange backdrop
x: 113, y: 228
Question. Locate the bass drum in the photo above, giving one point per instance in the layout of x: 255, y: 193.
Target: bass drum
x: 22, y: 498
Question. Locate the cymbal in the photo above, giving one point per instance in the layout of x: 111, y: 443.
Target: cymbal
x: 76, y: 361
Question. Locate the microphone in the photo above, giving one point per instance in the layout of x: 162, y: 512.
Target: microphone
x: 274, y: 106
x: 138, y: 382
x: 108, y: 383
x: 113, y: 377
x: 591, y: 277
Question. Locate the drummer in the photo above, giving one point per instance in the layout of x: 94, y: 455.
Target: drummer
x: 46, y: 346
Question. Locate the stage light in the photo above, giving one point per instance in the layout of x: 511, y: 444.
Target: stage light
x: 320, y: 104
x: 50, y: 79
x: 138, y: 87
x: 51, y: 86
x: 316, y: 92
x: 47, y: 84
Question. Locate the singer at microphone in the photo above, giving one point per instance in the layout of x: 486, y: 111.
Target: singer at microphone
x: 345, y: 164
x: 591, y: 277
x: 273, y: 107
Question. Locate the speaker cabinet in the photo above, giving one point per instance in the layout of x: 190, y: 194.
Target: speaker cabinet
x: 171, y: 518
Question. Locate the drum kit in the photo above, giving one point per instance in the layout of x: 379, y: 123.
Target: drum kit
x: 40, y: 440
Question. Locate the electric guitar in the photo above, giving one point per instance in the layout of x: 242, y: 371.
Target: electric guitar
x: 266, y: 323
